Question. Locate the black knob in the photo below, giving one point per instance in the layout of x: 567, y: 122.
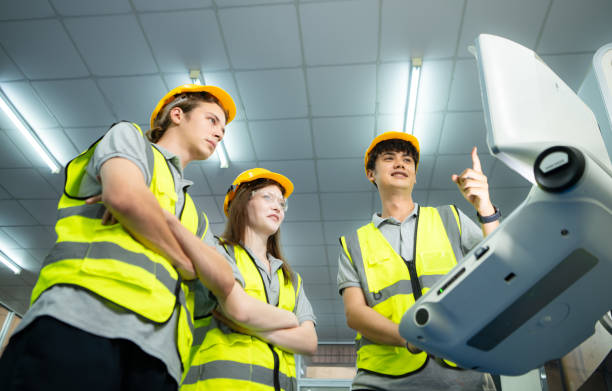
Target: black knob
x: 559, y: 168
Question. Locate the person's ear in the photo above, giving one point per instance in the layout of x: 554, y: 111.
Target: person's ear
x: 176, y: 115
x: 370, y: 175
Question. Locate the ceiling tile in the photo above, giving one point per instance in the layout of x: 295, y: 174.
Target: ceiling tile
x: 392, y: 88
x: 349, y: 25
x: 387, y: 123
x: 159, y: 5
x: 32, y: 237
x: 273, y: 94
x: 300, y: 172
x: 4, y: 195
x: 334, y: 229
x: 434, y: 86
x: 189, y: 40
x: 8, y: 70
x: 209, y: 206
x: 508, y: 199
x: 26, y: 183
x: 11, y: 213
x: 261, y: 37
x: 301, y: 234
x: 133, y: 98
x: 418, y: 196
x: 461, y: 132
x: 346, y: 206
x: 44, y: 211
x: 220, y: 179
x: 342, y: 137
x: 58, y: 144
x: 576, y: 26
x: 427, y: 128
x: 238, y: 143
x: 234, y: 3
x: 446, y: 165
x: 27, y: 42
x: 303, y: 207
x: 571, y: 68
x: 56, y: 180
x: 305, y: 255
x: 314, y: 274
x: 333, y: 251
x: 285, y: 139
x: 6, y: 242
x: 346, y: 90
x: 103, y: 40
x: 24, y: 10
x: 75, y: 102
x: 38, y: 254
x: 502, y: 176
x: 27, y: 102
x: 424, y: 172
x: 419, y: 28
x: 451, y: 197
x: 194, y: 173
x: 82, y: 138
x: 519, y: 21
x: 24, y: 259
x: 465, y: 90
x: 225, y: 80
x: 10, y: 156
x: 23, y: 145
x: 77, y: 7
x: 342, y: 175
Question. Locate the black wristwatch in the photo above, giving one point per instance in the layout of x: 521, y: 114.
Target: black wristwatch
x: 489, y: 219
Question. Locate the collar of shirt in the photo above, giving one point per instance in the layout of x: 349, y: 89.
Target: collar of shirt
x: 378, y: 220
x: 175, y: 160
x: 275, y: 263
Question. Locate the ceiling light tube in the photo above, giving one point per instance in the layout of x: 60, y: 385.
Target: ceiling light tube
x: 222, y: 153
x: 9, y: 263
x: 26, y: 130
x: 413, y: 93
x: 194, y: 75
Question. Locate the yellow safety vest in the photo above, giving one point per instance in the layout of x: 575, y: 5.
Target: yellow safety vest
x: 389, y: 282
x: 234, y: 361
x: 108, y: 261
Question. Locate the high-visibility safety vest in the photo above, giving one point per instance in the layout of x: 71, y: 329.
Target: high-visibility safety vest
x: 108, y: 261
x: 392, y: 284
x: 233, y: 361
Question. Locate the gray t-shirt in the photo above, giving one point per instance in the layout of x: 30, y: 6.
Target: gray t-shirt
x: 303, y: 309
x: 400, y: 236
x: 89, y: 312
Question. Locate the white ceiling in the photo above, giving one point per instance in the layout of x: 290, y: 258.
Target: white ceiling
x: 315, y: 81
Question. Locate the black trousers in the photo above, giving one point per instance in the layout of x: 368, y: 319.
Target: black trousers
x: 51, y: 355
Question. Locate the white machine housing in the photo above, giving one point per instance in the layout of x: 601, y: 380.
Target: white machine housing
x: 533, y: 289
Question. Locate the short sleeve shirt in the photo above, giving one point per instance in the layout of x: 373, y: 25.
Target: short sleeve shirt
x: 91, y: 313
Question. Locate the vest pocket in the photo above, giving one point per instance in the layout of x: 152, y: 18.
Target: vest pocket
x: 436, y: 262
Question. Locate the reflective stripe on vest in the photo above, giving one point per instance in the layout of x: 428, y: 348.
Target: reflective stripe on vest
x: 386, y: 281
x: 106, y: 260
x: 227, y: 360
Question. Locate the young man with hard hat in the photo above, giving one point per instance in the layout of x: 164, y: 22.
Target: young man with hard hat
x: 231, y: 357
x: 112, y: 308
x: 386, y: 265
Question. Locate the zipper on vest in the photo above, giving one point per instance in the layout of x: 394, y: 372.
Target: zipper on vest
x: 274, y: 354
x: 414, y: 277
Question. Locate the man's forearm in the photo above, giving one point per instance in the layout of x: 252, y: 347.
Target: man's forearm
x: 375, y: 327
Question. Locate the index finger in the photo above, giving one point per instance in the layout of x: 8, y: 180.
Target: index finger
x: 476, y: 161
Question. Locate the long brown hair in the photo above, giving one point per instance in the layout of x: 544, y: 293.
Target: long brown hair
x: 186, y: 101
x: 235, y: 229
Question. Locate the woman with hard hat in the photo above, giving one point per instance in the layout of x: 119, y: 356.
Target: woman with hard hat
x: 109, y: 310
x: 231, y: 357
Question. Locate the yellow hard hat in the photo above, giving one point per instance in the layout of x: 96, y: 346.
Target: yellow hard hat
x: 249, y: 176
x: 390, y: 136
x: 226, y: 101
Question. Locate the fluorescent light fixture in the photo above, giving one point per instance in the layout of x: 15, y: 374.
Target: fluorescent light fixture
x: 29, y: 133
x: 9, y: 263
x: 194, y: 75
x: 222, y: 153
x: 413, y: 93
